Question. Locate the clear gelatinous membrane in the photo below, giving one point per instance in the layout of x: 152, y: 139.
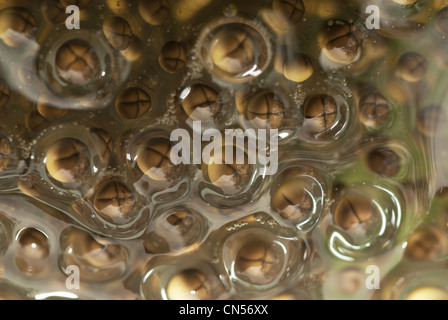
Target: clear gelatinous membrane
x: 256, y: 259
x: 103, y: 143
x: 266, y: 108
x: 32, y: 251
x: 175, y: 229
x: 152, y: 158
x: 73, y: 174
x: 76, y: 62
x: 298, y: 197
x: 430, y: 119
x: 441, y: 21
x: 67, y: 160
x: 340, y: 43
x: 364, y: 221
x: 200, y: 102
x: 412, y: 67
x: 234, y: 50
x: 82, y: 69
x: 290, y: 10
x: 384, y: 162
x: 426, y: 243
x: 374, y: 110
x: 154, y: 12
x: 6, y: 226
x: 189, y: 284
x: 348, y: 282
x: 172, y: 57
x: 115, y: 202
x: 9, y: 291
x: 410, y: 283
x: 417, y: 112
x: 389, y: 158
x: 97, y: 261
x: 118, y: 32
x: 18, y: 26
x: 320, y: 113
x: 53, y: 12
x: 263, y: 110
x: 4, y: 93
x: 204, y: 102
x: 133, y: 102
x: 229, y: 176
x: 181, y: 278
x: 148, y: 158
x: 230, y: 181
x: 50, y: 108
x: 5, y: 151
x: 327, y: 116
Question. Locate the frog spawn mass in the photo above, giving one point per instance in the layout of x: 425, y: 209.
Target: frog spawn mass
x: 89, y: 182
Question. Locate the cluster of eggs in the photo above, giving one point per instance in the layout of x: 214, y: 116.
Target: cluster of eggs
x: 86, y: 177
